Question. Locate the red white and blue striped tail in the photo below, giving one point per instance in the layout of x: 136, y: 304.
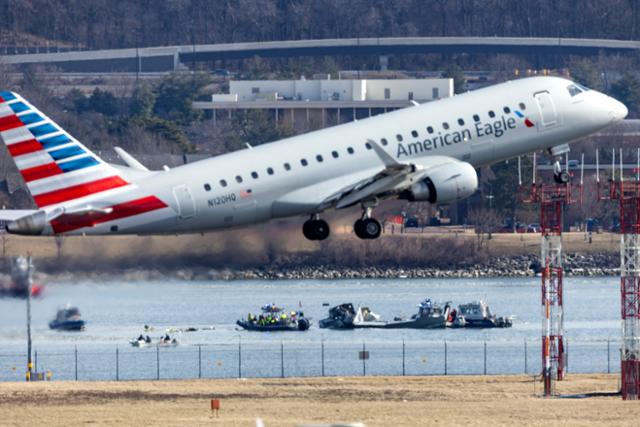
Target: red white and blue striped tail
x: 56, y: 167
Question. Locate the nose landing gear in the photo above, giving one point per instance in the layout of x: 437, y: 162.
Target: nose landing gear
x: 367, y: 227
x: 315, y: 228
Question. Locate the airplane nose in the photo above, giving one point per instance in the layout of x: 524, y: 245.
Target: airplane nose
x: 618, y: 110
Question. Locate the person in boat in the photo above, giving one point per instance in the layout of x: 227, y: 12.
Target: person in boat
x: 147, y: 339
x: 167, y: 338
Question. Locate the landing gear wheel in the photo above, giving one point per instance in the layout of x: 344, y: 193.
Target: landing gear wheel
x: 315, y: 229
x: 368, y: 228
x: 561, y: 178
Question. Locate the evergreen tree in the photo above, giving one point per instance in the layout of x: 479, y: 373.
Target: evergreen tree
x: 104, y: 102
x: 175, y: 96
x: 143, y: 101
x: 585, y: 72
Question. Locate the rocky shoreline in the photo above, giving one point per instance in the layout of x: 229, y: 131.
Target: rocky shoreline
x: 587, y: 265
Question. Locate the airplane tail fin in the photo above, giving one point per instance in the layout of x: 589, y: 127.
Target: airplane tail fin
x: 56, y: 167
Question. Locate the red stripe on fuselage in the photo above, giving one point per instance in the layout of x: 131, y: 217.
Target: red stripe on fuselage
x: 10, y: 122
x: 24, y: 147
x: 123, y: 210
x: 42, y: 171
x: 77, y: 191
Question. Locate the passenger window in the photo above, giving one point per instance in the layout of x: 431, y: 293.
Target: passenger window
x: 445, y: 125
x: 476, y: 118
x: 254, y: 175
x: 319, y: 158
x: 429, y: 129
x: 399, y: 138
x: 335, y: 154
x: 461, y: 122
x: 207, y: 187
x: 223, y: 183
x: 507, y: 110
x: 270, y: 171
x: 350, y: 150
x: 287, y: 166
x: 238, y: 179
x: 366, y: 144
x: 384, y: 141
x: 303, y: 162
x: 414, y: 133
x: 492, y: 114
x: 522, y: 106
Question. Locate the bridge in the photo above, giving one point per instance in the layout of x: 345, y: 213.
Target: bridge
x: 168, y: 58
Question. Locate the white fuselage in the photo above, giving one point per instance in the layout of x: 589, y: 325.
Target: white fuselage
x: 477, y: 127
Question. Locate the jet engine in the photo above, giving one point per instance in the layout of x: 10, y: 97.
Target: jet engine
x: 444, y: 184
x: 30, y: 225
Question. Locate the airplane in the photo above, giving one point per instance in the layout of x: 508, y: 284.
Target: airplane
x: 425, y: 152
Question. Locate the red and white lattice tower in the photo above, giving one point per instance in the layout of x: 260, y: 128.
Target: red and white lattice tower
x: 627, y: 193
x: 552, y: 199
x: 629, y: 199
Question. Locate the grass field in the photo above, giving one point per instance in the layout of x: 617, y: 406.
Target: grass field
x: 256, y: 241
x: 375, y: 401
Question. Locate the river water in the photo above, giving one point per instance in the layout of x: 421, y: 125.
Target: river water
x: 116, y: 312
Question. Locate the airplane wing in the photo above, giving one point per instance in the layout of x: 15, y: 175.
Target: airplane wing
x: 394, y: 178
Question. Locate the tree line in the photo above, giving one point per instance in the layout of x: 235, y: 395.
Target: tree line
x: 100, y: 24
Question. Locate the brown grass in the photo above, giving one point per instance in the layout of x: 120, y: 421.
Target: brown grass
x: 375, y: 401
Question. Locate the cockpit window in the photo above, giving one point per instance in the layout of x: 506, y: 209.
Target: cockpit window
x: 583, y: 87
x: 576, y: 89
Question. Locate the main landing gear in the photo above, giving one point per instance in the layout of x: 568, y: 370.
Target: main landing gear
x: 367, y: 227
x: 315, y: 228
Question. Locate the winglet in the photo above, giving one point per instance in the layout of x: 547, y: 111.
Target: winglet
x: 130, y: 160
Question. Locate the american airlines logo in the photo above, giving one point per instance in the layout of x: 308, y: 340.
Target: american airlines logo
x: 494, y: 129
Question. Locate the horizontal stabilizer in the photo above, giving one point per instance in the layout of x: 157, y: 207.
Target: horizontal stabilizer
x: 130, y: 160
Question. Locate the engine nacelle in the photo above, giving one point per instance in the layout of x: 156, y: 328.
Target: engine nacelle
x: 444, y: 184
x: 30, y: 225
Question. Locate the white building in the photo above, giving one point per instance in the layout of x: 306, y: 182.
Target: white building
x: 327, y: 101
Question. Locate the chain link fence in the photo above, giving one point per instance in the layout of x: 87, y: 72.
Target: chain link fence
x: 304, y: 359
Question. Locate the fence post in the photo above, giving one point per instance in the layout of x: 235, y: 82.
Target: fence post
x: 322, y: 354
x: 281, y: 359
x: 445, y: 357
x: 76, y: 360
x: 364, y: 361
x: 485, y: 358
x: 117, y: 364
x: 525, y: 357
x: 239, y: 357
x: 608, y: 356
x: 157, y: 362
x: 403, y: 357
x: 36, y: 359
x: 199, y: 361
